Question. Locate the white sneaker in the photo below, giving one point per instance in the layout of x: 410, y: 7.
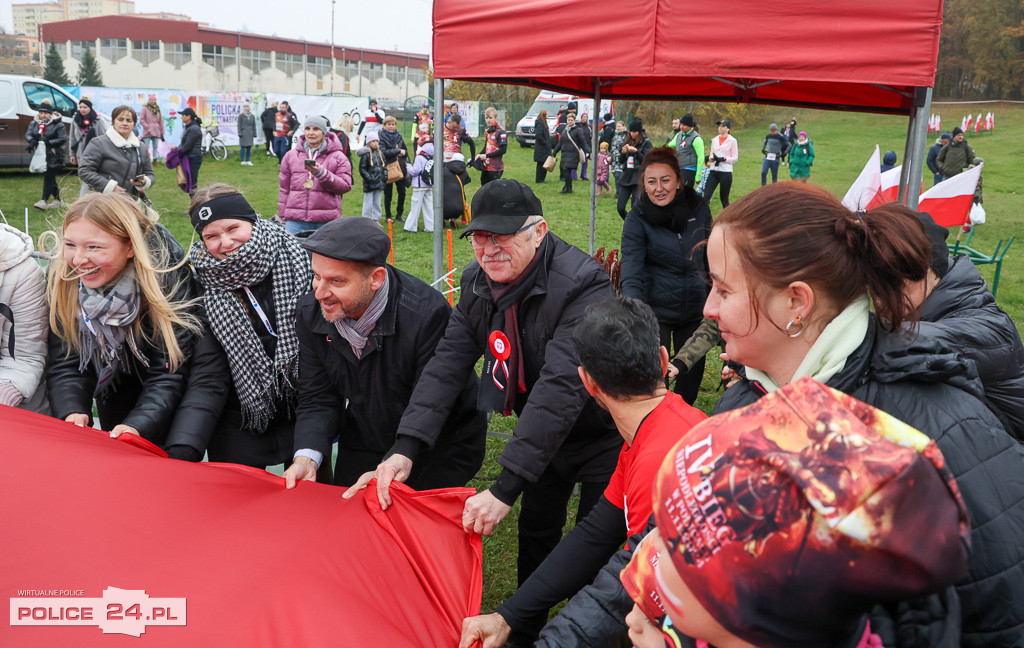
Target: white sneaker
x: 249, y: 163
x: 41, y: 204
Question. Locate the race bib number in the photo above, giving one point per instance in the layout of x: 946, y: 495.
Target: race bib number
x: 629, y: 162
x: 770, y: 156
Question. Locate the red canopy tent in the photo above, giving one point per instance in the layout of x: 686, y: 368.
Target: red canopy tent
x: 872, y: 56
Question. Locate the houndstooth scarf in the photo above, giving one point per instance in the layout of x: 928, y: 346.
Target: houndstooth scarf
x: 107, y: 314
x: 261, y: 382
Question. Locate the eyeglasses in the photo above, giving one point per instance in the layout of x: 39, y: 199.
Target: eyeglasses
x: 479, y: 239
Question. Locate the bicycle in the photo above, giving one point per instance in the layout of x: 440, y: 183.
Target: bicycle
x: 212, y: 144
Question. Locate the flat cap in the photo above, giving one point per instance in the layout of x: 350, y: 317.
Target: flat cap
x: 355, y: 238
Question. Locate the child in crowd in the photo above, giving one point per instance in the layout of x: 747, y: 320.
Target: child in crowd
x: 375, y: 175
x: 422, y: 188
x: 604, y: 165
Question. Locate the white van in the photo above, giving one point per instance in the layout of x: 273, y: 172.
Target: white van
x: 20, y: 99
x: 551, y: 101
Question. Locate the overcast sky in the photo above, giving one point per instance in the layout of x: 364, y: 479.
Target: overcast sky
x: 378, y: 24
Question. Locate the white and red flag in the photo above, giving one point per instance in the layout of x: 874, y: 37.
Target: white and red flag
x: 866, y: 191
x: 977, y: 125
x: 890, y: 185
x: 949, y: 202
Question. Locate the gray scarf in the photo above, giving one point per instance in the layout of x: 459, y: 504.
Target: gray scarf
x: 106, y: 315
x: 260, y: 381
x: 357, y: 332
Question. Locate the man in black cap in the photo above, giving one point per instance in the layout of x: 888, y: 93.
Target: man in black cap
x: 955, y: 156
x: 365, y: 332
x: 689, y: 149
x: 521, y: 300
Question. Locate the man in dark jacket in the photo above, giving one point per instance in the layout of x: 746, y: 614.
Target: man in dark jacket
x: 521, y: 300
x: 366, y: 332
x: 608, y: 130
x: 933, y: 157
x: 955, y: 156
x: 268, y: 121
x: 774, y: 148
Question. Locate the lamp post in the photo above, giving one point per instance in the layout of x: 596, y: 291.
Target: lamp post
x: 332, y: 48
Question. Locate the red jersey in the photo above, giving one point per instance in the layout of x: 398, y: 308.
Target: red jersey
x: 630, y: 485
x: 495, y: 138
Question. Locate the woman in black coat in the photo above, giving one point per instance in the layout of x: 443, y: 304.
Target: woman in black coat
x: 49, y: 131
x: 663, y: 261
x: 633, y: 151
x: 574, y: 146
x: 541, y: 145
x: 392, y: 145
x: 192, y: 144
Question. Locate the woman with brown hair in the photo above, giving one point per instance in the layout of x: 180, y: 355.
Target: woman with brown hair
x: 631, y: 156
x: 121, y: 318
x: 116, y: 161
x: 794, y: 276
x: 541, y: 145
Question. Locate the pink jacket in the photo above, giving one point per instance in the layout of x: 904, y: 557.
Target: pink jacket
x: 730, y: 150
x: 322, y: 203
x: 152, y: 125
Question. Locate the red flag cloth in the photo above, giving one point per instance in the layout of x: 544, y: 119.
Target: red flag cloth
x: 257, y: 565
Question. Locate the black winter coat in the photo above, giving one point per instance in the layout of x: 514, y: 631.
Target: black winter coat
x: 54, y: 136
x: 964, y: 316
x: 143, y: 397
x: 372, y: 168
x: 267, y: 119
x: 191, y: 140
x: 608, y: 132
x: 571, y: 154
x: 556, y: 408
x: 542, y: 141
x: 453, y: 192
x: 933, y: 158
x: 390, y: 145
x: 362, y: 400
x: 925, y: 385
x: 664, y: 268
x: 631, y: 175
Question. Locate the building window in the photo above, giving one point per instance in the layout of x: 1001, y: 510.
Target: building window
x: 348, y: 69
x: 373, y: 71
x: 78, y: 48
x: 178, y: 54
x: 255, y: 60
x: 417, y: 75
x: 290, y: 64
x: 319, y: 65
x: 114, y: 49
x: 396, y: 73
x: 218, y: 56
x: 145, y: 51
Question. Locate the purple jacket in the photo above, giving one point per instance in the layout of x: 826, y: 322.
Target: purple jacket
x: 322, y: 203
x: 425, y: 153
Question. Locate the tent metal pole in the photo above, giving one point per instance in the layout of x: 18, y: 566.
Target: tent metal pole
x: 914, y: 152
x: 438, y: 183
x: 595, y: 115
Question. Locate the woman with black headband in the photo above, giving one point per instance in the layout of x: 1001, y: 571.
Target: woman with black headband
x: 241, y: 398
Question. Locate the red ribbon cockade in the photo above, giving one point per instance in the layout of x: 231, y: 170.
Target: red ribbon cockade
x: 501, y: 349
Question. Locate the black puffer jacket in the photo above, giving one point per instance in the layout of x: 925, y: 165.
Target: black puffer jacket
x: 143, y: 397
x: 54, y: 136
x: 556, y: 407
x: 574, y: 146
x: 362, y: 400
x: 192, y: 140
x: 631, y: 175
x: 391, y: 144
x: 964, y: 315
x: 927, y: 386
x: 455, y: 171
x: 664, y: 265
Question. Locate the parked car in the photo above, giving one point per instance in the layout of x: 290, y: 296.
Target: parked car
x: 550, y: 101
x: 20, y: 99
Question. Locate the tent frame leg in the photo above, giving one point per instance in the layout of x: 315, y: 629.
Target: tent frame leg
x: 913, y: 154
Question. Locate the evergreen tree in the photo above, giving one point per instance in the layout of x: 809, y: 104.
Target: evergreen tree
x: 89, y: 70
x: 54, y: 70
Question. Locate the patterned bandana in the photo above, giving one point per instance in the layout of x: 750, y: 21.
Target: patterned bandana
x: 260, y: 381
x: 106, y: 316
x: 357, y: 332
x: 790, y: 518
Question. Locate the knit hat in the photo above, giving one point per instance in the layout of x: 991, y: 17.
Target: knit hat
x: 229, y: 206
x: 45, y: 108
x: 937, y: 236
x: 687, y: 120
x: 371, y: 137
x: 789, y: 519
x: 152, y: 98
x: 604, y: 146
x: 957, y: 131
x: 316, y: 121
x: 802, y: 134
x: 945, y: 136
x: 773, y: 126
x: 637, y: 125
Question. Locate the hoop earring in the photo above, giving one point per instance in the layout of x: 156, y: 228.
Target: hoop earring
x: 798, y: 320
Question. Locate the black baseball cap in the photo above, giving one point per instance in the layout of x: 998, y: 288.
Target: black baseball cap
x: 354, y: 238
x: 724, y: 122
x: 937, y: 236
x: 502, y: 207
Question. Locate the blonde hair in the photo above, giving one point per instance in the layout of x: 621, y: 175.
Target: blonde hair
x: 491, y: 112
x: 123, y: 219
x: 346, y: 123
x: 390, y: 119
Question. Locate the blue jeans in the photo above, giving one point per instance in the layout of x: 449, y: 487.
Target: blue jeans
x: 245, y: 153
x: 281, y: 145
x: 293, y: 227
x: 938, y: 177
x: 769, y: 164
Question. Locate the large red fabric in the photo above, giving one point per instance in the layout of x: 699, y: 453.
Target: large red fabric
x: 258, y: 565
x: 866, y: 56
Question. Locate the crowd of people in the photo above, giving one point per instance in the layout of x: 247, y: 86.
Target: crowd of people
x: 887, y: 511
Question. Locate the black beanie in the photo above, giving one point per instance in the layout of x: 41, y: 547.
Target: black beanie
x: 936, y: 235
x: 637, y: 125
x: 229, y: 206
x: 957, y: 131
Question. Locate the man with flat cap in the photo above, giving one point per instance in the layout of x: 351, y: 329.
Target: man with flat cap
x: 520, y: 301
x: 365, y: 332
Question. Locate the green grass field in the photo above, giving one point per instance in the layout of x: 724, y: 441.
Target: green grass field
x: 842, y: 141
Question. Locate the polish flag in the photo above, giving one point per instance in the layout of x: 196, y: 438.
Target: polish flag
x: 965, y: 122
x: 938, y: 123
x: 867, y: 188
x: 977, y: 125
x: 949, y: 202
x: 989, y: 121
x: 890, y: 186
